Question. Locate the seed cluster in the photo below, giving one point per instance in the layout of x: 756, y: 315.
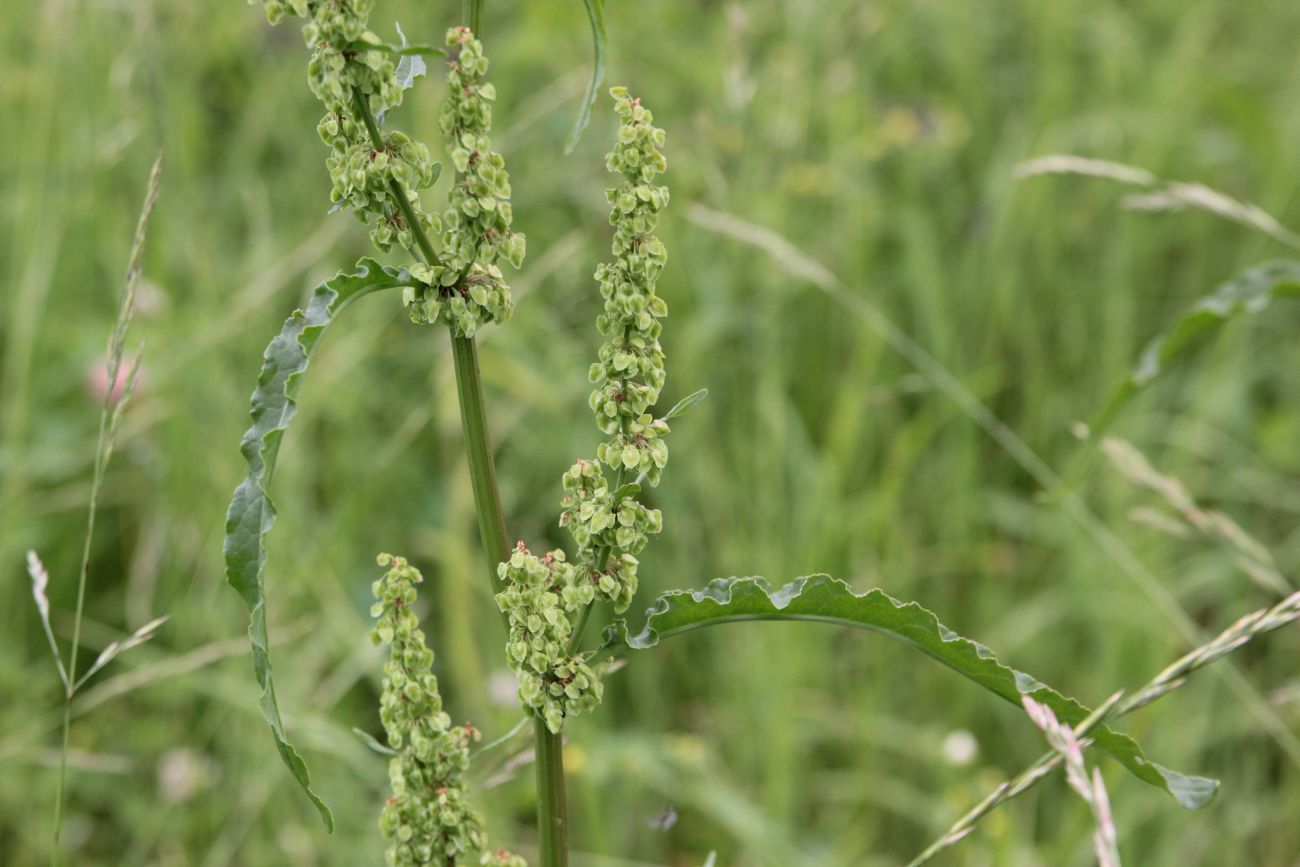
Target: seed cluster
x: 542, y: 595
x: 467, y: 289
x: 378, y: 174
x: 611, y: 527
x: 429, y: 819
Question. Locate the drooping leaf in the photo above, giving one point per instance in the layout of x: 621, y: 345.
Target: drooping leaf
x: 1249, y: 293
x: 251, y: 511
x: 829, y: 600
x: 596, y: 16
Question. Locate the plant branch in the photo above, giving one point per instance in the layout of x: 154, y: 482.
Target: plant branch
x: 399, y: 192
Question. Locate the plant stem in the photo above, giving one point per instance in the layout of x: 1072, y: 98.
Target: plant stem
x: 552, y: 806
x: 471, y: 15
x: 399, y: 193
x: 482, y: 471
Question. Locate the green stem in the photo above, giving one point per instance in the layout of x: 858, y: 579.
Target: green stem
x: 552, y: 806
x: 471, y: 14
x: 482, y: 471
x: 101, y: 460
x: 399, y: 193
x: 575, y: 640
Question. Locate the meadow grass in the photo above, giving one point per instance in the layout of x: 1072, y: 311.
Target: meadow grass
x: 881, y: 140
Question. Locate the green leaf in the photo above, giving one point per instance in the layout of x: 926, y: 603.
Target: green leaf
x: 410, y: 66
x: 684, y: 405
x: 251, y: 511
x: 1251, y: 292
x: 828, y: 600
x: 596, y: 15
x: 369, y: 740
x: 631, y: 489
x: 406, y: 49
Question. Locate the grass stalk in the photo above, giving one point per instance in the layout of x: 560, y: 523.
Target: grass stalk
x: 110, y: 414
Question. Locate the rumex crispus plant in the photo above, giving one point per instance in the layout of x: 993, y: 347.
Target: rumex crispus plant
x: 452, y: 276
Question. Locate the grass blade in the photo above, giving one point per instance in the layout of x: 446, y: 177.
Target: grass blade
x: 829, y: 600
x: 1249, y: 293
x: 1162, y: 194
x: 252, y: 513
x: 596, y: 15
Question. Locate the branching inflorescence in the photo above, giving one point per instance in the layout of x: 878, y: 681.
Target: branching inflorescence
x: 429, y: 819
x: 467, y: 289
x: 378, y: 174
x: 547, y: 599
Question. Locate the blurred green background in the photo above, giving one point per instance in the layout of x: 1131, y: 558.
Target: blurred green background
x: 881, y: 139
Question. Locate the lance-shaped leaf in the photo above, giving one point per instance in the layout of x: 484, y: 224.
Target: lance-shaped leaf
x: 369, y: 740
x: 684, y: 405
x: 829, y: 600
x: 1249, y: 293
x: 596, y: 16
x: 251, y: 511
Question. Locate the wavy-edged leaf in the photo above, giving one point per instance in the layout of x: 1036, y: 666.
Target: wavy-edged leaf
x: 1251, y: 292
x: 829, y: 600
x: 251, y: 511
x: 595, y: 15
